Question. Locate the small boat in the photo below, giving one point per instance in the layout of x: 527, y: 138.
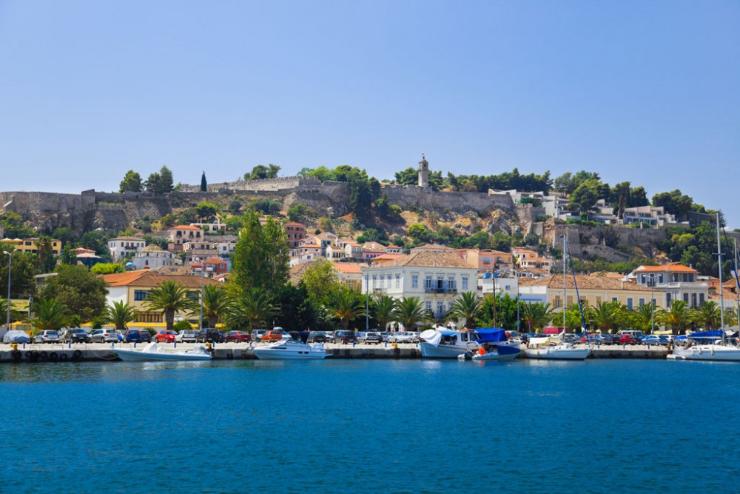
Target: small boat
x: 718, y: 352
x: 290, y: 350
x: 153, y: 352
x: 550, y: 349
x: 442, y: 342
x: 494, y: 345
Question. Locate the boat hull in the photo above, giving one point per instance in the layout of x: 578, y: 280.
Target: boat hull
x: 265, y: 354
x: 710, y: 353
x: 495, y: 356
x: 555, y: 353
x: 139, y: 356
x: 441, y: 351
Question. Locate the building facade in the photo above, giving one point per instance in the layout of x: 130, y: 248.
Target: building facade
x: 125, y: 247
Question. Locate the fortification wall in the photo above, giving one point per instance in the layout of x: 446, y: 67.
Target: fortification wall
x: 49, y: 210
x: 264, y: 185
x: 614, y: 242
x: 460, y: 202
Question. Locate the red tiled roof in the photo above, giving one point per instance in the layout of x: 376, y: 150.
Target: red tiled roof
x: 673, y: 267
x: 147, y: 278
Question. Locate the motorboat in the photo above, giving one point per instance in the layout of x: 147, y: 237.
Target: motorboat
x: 442, y: 342
x: 493, y: 345
x: 290, y: 350
x: 550, y: 348
x: 154, y: 352
x: 709, y: 346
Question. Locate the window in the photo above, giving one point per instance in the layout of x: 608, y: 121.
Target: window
x: 642, y: 302
x: 414, y: 281
x: 140, y: 295
x: 686, y: 298
x: 451, y: 284
x: 668, y: 300
x: 615, y: 299
x: 398, y: 280
x: 701, y: 299
x: 660, y: 278
x: 465, y: 283
x: 557, y: 302
x: 440, y: 309
x: 428, y: 305
x: 428, y: 282
x: 693, y: 300
x: 629, y: 303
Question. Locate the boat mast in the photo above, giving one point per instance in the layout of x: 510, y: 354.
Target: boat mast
x: 737, y: 284
x: 565, y: 288
x: 721, y: 292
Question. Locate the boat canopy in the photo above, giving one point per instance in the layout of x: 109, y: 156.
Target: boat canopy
x: 551, y: 330
x: 490, y: 335
x: 706, y: 335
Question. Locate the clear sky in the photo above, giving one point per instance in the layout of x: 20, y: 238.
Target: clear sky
x: 645, y: 91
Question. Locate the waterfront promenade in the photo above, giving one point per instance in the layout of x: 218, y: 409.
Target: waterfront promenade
x: 32, y: 353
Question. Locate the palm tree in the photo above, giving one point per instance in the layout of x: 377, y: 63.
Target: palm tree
x: 643, y: 317
x: 119, y: 313
x: 409, y: 311
x: 708, y: 315
x: 605, y: 315
x: 677, y: 318
x: 170, y: 298
x: 382, y: 308
x: 3, y: 309
x: 345, y: 305
x: 466, y: 307
x: 250, y: 308
x: 215, y: 302
x: 536, y: 315
x: 50, y: 314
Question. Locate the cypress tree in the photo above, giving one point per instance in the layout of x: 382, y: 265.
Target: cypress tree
x: 203, y: 183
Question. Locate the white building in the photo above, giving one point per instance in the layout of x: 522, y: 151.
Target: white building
x: 125, y: 247
x: 647, y: 215
x: 153, y: 257
x: 435, y: 277
x: 508, y: 285
x: 675, y: 281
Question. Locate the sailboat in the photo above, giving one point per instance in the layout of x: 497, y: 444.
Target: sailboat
x: 719, y: 350
x: 550, y: 348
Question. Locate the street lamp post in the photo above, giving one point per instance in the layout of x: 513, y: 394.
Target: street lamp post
x: 10, y: 270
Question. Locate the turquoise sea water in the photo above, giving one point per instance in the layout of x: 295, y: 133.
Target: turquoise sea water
x: 370, y: 426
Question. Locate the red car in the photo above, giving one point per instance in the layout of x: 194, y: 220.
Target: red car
x: 165, y: 337
x: 627, y: 339
x: 238, y: 337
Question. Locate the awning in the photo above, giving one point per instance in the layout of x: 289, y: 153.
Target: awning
x: 490, y: 335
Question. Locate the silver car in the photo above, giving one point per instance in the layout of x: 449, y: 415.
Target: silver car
x: 47, y: 336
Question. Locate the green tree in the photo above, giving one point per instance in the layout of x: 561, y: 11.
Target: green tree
x: 297, y: 212
x: 407, y: 176
x: 643, y: 317
x: 45, y: 259
x: 383, y: 308
x: 260, y: 172
x: 120, y: 314
x: 467, y: 308
x: 4, y: 310
x: 586, y: 195
x: 103, y: 268
x: 677, y: 318
x: 674, y: 202
x: 250, y: 308
x: 321, y: 281
x: 14, y: 226
x: 131, y: 182
x: 605, y: 315
x: 296, y: 309
x: 260, y: 258
x: 170, y: 298
x: 160, y: 182
x: 50, y: 314
x: 77, y: 289
x: 203, y: 183
x: 215, y: 304
x: 410, y: 311
x: 708, y: 316
x: 536, y: 315
x: 345, y: 305
x: 206, y: 210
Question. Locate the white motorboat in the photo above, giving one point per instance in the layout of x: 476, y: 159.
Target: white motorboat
x: 446, y: 343
x: 710, y: 352
x: 153, y: 352
x: 550, y: 349
x: 290, y: 350
x: 500, y: 353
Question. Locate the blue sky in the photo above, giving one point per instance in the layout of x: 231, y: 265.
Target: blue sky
x: 641, y: 91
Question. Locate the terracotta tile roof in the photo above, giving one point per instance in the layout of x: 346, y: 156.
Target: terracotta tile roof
x: 186, y: 227
x: 136, y: 239
x: 348, y: 267
x: 673, y: 267
x: 295, y: 223
x: 428, y: 259
x: 150, y: 279
x: 585, y: 282
x: 373, y: 246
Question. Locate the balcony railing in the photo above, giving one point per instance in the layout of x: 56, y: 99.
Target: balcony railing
x: 430, y: 289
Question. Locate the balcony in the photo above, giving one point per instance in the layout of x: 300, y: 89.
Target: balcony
x: 430, y: 289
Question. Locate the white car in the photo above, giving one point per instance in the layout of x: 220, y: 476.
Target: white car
x: 403, y: 337
x: 47, y: 336
x: 105, y: 336
x: 187, y: 336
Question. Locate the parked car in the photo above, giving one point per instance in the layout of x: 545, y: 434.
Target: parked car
x: 275, y: 334
x: 654, y: 339
x: 165, y: 336
x: 570, y: 338
x: 403, y: 337
x: 187, y: 336
x: 47, y: 336
x: 137, y: 336
x: 75, y: 335
x: 345, y: 336
x: 374, y: 337
x: 210, y: 335
x: 104, y: 336
x: 628, y: 339
x: 317, y: 337
x: 237, y: 337
x: 257, y: 334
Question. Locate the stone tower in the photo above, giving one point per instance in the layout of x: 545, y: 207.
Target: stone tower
x: 423, y: 172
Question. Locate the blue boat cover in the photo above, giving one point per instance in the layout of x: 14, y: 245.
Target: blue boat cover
x: 490, y: 335
x: 700, y: 335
